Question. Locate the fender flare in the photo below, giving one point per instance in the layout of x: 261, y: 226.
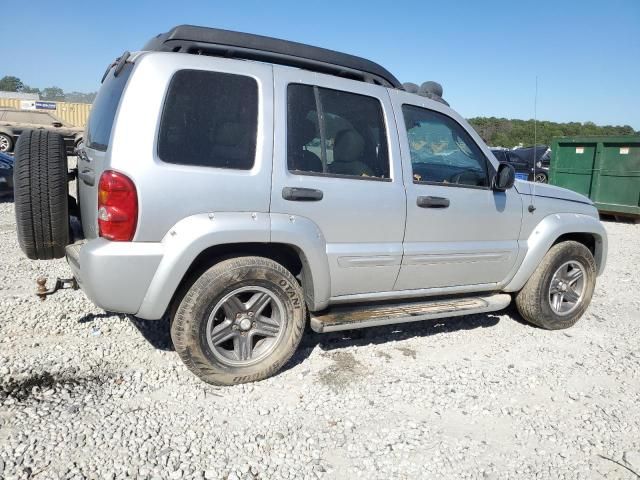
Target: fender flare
x: 192, y: 235
x: 8, y: 131
x: 547, y: 232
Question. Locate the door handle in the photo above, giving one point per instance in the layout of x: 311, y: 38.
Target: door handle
x: 432, y: 202
x: 302, y: 194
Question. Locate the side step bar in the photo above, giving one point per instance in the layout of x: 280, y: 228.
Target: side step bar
x: 361, y: 316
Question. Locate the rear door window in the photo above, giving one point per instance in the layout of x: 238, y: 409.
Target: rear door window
x: 336, y: 133
x: 210, y: 119
x: 103, y: 111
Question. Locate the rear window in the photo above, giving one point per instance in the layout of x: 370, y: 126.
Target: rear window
x: 210, y: 119
x: 103, y: 111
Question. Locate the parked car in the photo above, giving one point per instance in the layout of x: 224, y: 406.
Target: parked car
x: 524, y: 159
x: 276, y: 184
x: 14, y: 122
x: 6, y: 174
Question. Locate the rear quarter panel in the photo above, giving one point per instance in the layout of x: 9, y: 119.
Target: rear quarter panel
x: 168, y: 192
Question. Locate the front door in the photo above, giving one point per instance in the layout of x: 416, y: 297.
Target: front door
x: 459, y: 232
x: 335, y: 166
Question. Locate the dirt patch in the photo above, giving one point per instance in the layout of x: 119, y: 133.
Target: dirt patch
x: 407, y: 352
x: 44, y: 384
x: 344, y: 371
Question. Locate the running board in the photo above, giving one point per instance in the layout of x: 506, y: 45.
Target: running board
x: 361, y: 316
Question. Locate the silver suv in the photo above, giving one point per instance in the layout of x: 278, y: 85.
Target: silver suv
x: 247, y: 186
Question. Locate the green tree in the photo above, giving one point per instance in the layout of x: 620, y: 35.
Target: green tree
x: 28, y: 89
x: 510, y: 133
x: 11, y: 84
x: 54, y: 94
x: 79, y: 97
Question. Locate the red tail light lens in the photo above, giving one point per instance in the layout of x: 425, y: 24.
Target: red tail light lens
x: 117, y: 207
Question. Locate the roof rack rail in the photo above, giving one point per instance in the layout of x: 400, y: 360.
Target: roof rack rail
x: 225, y: 43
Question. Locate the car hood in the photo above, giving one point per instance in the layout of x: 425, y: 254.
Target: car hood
x: 550, y: 191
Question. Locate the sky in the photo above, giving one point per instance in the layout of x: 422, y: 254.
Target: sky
x: 486, y: 54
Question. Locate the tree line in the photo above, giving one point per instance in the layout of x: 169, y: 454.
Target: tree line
x: 53, y: 94
x: 497, y: 132
x: 504, y: 132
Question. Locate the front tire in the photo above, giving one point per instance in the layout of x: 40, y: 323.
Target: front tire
x: 560, y: 290
x: 241, y: 321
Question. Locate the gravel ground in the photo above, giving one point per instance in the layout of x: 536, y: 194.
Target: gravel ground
x: 86, y: 394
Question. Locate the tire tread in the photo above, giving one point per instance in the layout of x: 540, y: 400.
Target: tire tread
x: 41, y: 194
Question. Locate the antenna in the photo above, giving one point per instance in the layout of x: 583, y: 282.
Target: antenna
x: 532, y: 206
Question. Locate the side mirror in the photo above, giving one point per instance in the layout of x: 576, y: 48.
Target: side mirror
x: 505, y: 177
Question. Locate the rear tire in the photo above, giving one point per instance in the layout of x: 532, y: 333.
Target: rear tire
x: 41, y: 194
x: 566, y: 273
x: 241, y: 321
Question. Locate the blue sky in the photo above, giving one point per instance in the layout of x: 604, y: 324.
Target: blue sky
x: 486, y: 54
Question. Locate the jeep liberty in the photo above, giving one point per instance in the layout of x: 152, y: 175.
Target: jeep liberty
x: 247, y: 187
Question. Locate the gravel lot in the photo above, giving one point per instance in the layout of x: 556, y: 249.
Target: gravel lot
x: 88, y: 394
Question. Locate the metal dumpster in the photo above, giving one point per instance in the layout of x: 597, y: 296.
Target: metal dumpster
x: 606, y: 169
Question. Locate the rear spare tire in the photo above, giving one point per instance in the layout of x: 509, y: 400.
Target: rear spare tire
x: 40, y: 194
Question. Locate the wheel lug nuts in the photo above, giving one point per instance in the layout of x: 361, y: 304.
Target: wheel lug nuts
x: 251, y: 314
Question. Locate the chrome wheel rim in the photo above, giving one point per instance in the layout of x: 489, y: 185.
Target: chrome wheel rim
x: 567, y: 288
x: 245, y: 326
x: 541, y: 178
x: 4, y: 143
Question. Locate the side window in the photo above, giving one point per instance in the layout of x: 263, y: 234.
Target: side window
x: 442, y: 151
x: 210, y: 119
x: 330, y: 132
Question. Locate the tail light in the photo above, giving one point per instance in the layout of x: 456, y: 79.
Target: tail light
x: 117, y: 207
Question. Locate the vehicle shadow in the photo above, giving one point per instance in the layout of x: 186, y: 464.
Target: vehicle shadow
x: 157, y: 333
x: 328, y: 342
x: 90, y: 317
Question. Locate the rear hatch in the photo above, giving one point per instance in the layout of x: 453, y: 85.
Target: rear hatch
x: 94, y: 157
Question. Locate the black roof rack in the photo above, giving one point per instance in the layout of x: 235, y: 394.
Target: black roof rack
x: 225, y: 43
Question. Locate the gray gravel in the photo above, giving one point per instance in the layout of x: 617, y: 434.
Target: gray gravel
x: 85, y: 394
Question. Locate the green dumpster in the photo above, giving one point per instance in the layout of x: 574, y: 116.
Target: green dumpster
x: 605, y: 169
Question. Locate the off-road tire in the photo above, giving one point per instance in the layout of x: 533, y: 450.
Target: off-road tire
x: 533, y: 300
x: 41, y: 194
x: 188, y: 326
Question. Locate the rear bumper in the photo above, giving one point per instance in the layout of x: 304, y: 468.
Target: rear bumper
x: 114, y: 275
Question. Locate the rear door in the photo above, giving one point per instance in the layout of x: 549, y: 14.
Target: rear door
x: 337, y: 163
x: 460, y: 232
